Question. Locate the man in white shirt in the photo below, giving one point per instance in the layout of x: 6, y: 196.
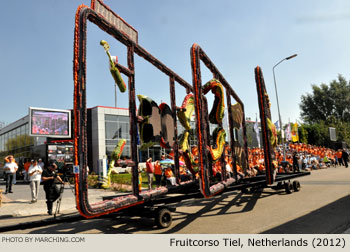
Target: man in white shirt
x: 10, y: 169
x: 41, y: 163
x: 34, y: 173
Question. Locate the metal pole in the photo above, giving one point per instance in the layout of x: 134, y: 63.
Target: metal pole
x: 115, y: 95
x: 279, y: 114
x: 278, y: 106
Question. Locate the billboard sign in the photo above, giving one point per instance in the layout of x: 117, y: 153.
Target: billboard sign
x: 332, y: 134
x: 49, y: 122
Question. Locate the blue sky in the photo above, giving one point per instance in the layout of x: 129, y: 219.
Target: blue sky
x: 36, y: 50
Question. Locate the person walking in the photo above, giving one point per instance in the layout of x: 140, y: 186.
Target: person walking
x: 295, y: 162
x: 34, y: 173
x: 345, y: 157
x: 51, y: 191
x: 41, y: 163
x: 339, y: 157
x: 10, y: 169
x: 149, y: 171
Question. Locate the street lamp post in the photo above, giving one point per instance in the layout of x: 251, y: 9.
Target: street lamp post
x: 278, y: 106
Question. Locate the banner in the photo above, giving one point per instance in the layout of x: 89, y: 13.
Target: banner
x: 288, y: 133
x: 273, y: 133
x: 240, y: 155
x: 237, y: 115
x: 295, y: 136
x: 256, y: 129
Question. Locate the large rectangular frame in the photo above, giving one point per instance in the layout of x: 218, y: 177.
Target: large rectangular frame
x: 265, y: 113
x: 201, y: 111
x: 83, y: 14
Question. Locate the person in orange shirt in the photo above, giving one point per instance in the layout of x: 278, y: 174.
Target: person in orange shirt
x: 158, y: 173
x: 169, y: 175
x: 240, y: 173
x: 339, y: 157
x: 26, y: 166
x: 184, y: 174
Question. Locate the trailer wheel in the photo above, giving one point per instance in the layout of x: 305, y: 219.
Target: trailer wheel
x: 279, y: 185
x: 288, y: 187
x: 244, y: 190
x: 163, y: 218
x: 296, y: 186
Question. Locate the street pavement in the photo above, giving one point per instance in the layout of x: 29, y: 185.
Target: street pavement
x: 16, y: 209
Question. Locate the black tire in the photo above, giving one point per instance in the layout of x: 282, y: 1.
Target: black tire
x: 279, y: 185
x: 244, y: 190
x: 288, y: 187
x: 252, y: 189
x: 163, y: 218
x: 296, y: 186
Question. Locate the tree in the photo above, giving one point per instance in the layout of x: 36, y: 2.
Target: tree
x: 327, y: 102
x: 317, y: 134
x: 303, y: 134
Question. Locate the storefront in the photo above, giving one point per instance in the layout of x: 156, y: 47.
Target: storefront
x: 106, y: 126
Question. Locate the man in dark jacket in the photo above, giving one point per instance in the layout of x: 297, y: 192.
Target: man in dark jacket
x: 345, y: 157
x: 295, y: 162
x: 49, y: 177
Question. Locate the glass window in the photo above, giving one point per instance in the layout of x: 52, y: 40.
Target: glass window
x: 123, y: 130
x: 1, y: 143
x: 111, y: 118
x: 18, y: 137
x: 111, y: 130
x: 111, y: 142
x: 5, y: 141
x: 123, y: 119
x: 22, y: 130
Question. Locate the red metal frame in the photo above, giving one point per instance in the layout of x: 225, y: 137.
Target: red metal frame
x: 86, y: 209
x: 264, y: 114
x: 208, y: 190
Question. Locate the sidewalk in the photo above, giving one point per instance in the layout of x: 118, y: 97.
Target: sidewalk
x: 17, y: 210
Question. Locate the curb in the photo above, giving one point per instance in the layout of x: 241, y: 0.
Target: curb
x: 41, y: 223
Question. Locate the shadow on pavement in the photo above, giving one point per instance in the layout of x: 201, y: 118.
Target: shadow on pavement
x: 333, y: 218
x: 117, y: 223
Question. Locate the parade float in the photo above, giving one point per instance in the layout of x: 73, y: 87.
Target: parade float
x: 217, y: 163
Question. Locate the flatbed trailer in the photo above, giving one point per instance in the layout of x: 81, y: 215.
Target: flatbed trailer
x: 161, y: 208
x: 282, y: 181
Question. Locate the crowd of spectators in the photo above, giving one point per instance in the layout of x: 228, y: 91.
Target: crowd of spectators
x: 299, y: 157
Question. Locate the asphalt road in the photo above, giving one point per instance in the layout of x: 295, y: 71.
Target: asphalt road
x: 322, y: 206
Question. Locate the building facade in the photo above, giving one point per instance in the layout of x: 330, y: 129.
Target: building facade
x: 106, y: 126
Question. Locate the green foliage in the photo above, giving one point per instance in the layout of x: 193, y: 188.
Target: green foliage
x: 327, y: 106
x: 92, y: 181
x: 18, y: 142
x: 122, y: 178
x: 327, y: 102
x: 318, y: 133
x: 303, y: 134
